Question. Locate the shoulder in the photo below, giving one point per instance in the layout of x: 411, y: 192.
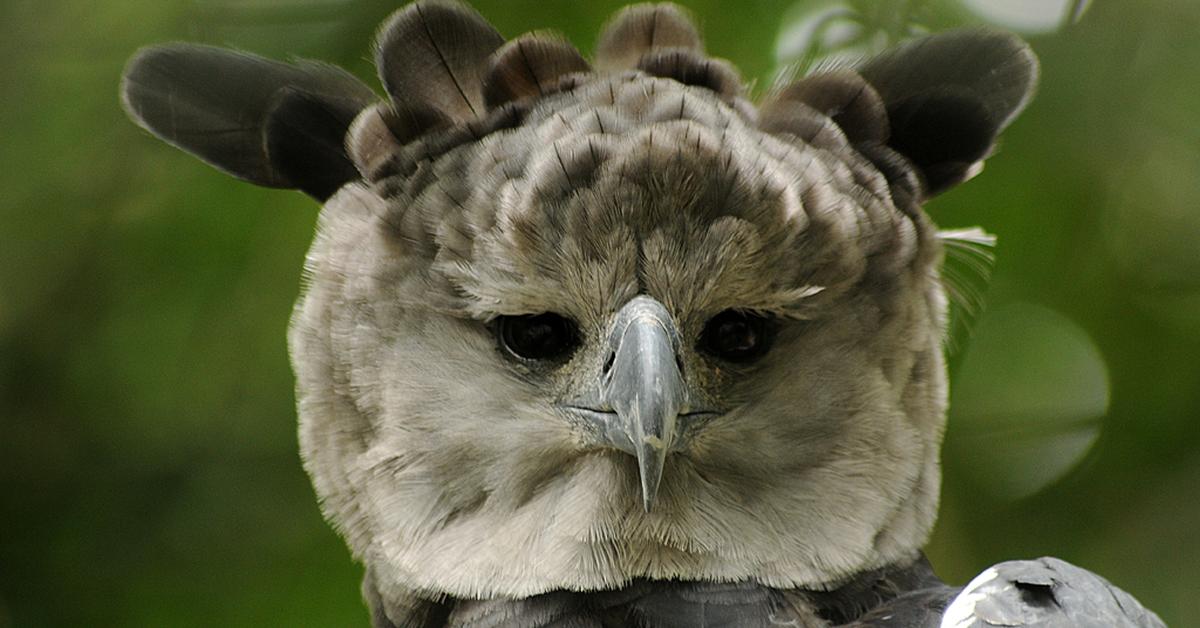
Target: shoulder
x: 1044, y: 592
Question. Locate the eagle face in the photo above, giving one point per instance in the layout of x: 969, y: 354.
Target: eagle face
x: 634, y: 335
x: 567, y: 326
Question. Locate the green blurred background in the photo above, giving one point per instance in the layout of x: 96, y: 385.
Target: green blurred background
x: 148, y: 466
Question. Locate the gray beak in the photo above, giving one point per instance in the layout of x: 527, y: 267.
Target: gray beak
x: 644, y: 387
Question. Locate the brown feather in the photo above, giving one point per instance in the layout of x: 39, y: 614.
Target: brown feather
x: 433, y: 53
x: 642, y: 28
x: 380, y: 131
x: 692, y: 68
x: 530, y: 66
x: 370, y: 143
x: 845, y: 97
x: 808, y: 124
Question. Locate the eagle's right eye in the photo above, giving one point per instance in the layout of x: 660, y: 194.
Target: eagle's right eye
x: 546, y: 337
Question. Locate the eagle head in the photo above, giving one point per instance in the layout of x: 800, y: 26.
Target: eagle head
x: 568, y: 324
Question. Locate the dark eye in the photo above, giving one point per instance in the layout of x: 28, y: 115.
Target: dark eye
x: 737, y: 335
x: 543, y: 337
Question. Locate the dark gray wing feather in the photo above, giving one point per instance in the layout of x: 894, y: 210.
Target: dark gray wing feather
x: 1048, y: 593
x: 270, y: 123
x: 908, y: 591
x: 641, y: 604
x: 915, y: 609
x: 709, y: 605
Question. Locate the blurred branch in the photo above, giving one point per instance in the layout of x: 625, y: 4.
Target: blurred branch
x: 1076, y: 11
x: 868, y: 27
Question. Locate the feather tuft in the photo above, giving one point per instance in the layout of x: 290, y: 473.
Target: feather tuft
x: 643, y: 28
x: 370, y: 143
x: 432, y: 54
x: 530, y: 66
x: 798, y: 119
x: 692, y: 68
x: 845, y: 97
x: 300, y: 126
x: 270, y: 123
x: 949, y: 95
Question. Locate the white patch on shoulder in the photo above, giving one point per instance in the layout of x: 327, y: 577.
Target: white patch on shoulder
x: 961, y: 612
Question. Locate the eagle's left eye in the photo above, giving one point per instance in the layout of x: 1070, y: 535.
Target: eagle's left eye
x: 546, y: 337
x: 737, y: 336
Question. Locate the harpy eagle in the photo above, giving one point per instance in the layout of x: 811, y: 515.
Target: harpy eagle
x: 603, y: 343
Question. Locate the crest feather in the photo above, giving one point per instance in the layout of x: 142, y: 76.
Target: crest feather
x: 643, y: 28
x: 530, y: 66
x: 996, y: 69
x: 693, y: 68
x: 949, y: 95
x: 270, y: 123
x: 304, y: 138
x: 799, y: 119
x: 433, y: 53
x: 847, y: 99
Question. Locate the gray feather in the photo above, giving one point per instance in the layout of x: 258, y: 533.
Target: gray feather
x: 920, y: 608
x: 270, y: 123
x: 787, y: 116
x: 371, y: 142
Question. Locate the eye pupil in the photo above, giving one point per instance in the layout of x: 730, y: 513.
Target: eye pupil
x: 736, y: 336
x: 542, y: 337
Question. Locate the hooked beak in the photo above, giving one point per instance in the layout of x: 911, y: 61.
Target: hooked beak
x: 645, y: 388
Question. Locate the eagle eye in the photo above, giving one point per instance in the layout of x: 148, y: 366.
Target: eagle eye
x: 546, y: 337
x: 737, y: 335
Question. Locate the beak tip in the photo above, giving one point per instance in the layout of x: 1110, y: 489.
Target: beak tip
x: 648, y: 494
x: 651, y: 476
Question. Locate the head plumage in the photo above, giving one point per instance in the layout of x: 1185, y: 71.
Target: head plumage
x: 926, y: 113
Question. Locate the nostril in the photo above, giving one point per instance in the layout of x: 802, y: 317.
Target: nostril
x: 608, y: 364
